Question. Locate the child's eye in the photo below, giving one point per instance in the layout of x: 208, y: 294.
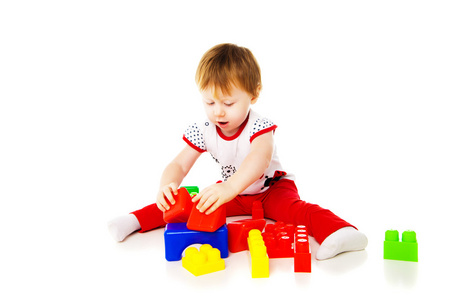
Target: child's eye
x: 229, y: 104
x: 209, y: 103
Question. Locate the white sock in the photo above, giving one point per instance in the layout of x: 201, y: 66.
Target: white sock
x: 123, y: 226
x: 342, y: 240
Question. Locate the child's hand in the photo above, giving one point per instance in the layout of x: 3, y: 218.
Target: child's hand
x: 213, y: 197
x: 165, y: 193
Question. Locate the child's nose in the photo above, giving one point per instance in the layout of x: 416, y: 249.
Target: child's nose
x: 219, y: 111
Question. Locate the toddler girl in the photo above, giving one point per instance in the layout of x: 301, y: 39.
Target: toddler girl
x: 241, y: 142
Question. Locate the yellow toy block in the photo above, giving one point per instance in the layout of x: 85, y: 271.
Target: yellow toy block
x: 202, y: 262
x: 258, y: 253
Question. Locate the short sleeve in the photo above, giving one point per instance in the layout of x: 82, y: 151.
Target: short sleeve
x: 194, y: 138
x: 261, y: 126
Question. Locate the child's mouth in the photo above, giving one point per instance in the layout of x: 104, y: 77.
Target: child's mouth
x: 223, y: 124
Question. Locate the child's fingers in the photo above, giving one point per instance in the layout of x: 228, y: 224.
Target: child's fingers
x: 207, y: 203
x: 174, y: 188
x: 212, y: 208
x: 168, y: 194
x: 161, y: 207
x: 197, y: 197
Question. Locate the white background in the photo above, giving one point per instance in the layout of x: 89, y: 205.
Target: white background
x: 95, y: 95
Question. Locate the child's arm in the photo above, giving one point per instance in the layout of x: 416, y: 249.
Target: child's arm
x: 173, y: 175
x: 251, y: 169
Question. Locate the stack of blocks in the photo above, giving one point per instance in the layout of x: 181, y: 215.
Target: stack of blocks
x: 406, y: 249
x: 258, y: 253
x: 186, y: 225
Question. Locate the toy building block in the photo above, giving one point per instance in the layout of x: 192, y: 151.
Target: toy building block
x: 202, y: 262
x: 258, y: 253
x: 177, y: 237
x: 209, y: 223
x: 181, y: 210
x: 257, y: 210
x: 406, y: 249
x: 238, y: 233
x: 302, y: 251
x: 193, y: 190
x: 279, y: 240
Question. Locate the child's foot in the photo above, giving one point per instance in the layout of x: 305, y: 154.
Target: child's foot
x: 342, y: 240
x: 123, y: 226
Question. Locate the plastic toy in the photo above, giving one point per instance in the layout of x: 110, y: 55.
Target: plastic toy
x: 209, y: 223
x: 202, y: 262
x: 181, y: 210
x: 193, y: 190
x: 302, y: 251
x: 257, y: 210
x: 258, y: 253
x: 406, y: 249
x: 177, y: 237
x: 238, y: 233
x: 279, y: 240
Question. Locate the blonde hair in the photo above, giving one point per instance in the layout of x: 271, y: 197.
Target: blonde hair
x: 226, y: 65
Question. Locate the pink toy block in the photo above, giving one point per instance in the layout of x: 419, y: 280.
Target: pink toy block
x: 279, y: 240
x: 209, y: 223
x: 180, y: 211
x: 257, y: 210
x: 238, y: 233
x: 302, y: 251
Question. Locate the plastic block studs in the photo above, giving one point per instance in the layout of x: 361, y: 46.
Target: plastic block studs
x: 406, y: 249
x: 302, y: 251
x: 202, y: 262
x: 258, y: 253
x: 209, y: 223
x: 238, y: 233
x: 177, y: 237
x: 279, y: 240
x: 180, y: 211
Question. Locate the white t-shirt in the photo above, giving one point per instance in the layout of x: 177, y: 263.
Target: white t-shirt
x: 230, y: 152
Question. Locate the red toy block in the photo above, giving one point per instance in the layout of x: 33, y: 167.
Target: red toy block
x: 302, y: 251
x: 279, y: 240
x: 257, y: 210
x: 238, y: 233
x: 201, y: 222
x: 181, y: 210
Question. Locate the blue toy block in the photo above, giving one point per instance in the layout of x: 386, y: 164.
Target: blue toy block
x: 177, y: 237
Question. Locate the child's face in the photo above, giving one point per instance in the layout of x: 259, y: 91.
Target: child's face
x: 227, y: 112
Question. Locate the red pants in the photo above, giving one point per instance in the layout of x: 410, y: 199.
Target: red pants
x: 280, y: 202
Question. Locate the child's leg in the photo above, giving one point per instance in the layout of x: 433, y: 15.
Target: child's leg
x: 145, y: 219
x: 335, y: 235
x: 150, y: 217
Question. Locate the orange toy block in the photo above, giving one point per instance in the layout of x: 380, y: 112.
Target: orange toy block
x: 238, y: 233
x: 181, y: 210
x: 201, y: 222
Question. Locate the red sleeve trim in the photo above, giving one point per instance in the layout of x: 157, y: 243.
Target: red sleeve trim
x: 192, y: 145
x: 261, y: 132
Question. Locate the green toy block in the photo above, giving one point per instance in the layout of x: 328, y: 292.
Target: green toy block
x: 406, y: 249
x: 192, y: 190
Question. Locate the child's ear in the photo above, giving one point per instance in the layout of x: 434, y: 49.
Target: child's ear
x: 255, y: 97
